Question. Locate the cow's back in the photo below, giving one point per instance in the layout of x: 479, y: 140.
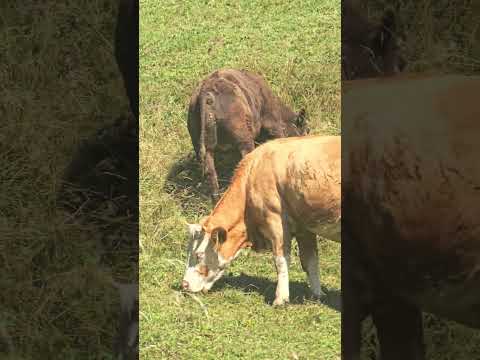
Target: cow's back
x: 411, y: 188
x: 233, y: 85
x: 249, y: 90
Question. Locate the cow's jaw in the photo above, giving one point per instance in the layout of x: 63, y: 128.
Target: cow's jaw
x: 201, y: 275
x: 198, y: 280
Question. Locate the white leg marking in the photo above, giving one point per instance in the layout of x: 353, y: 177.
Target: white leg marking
x: 282, y: 294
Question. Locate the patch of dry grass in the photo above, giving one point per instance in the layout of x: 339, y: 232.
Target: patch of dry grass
x: 58, y: 83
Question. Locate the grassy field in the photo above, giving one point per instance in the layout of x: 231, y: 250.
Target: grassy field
x: 296, y: 45
x: 59, y: 84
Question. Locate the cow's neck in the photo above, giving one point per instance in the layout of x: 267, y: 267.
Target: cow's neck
x: 229, y: 213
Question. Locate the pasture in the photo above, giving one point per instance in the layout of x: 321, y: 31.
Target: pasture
x: 296, y: 45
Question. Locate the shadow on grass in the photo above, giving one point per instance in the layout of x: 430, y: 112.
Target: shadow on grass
x: 185, y: 182
x: 299, y: 291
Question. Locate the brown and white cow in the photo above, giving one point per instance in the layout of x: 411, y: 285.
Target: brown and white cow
x: 411, y: 208
x: 237, y: 107
x: 283, y: 188
x: 369, y: 49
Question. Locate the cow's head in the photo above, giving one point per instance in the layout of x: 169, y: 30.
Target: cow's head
x: 208, y: 255
x: 298, y: 125
x: 370, y: 50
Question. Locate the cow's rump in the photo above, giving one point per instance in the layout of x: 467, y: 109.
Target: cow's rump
x: 300, y: 178
x: 411, y: 190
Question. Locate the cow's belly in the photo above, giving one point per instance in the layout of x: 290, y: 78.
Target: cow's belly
x: 319, y: 211
x: 456, y: 301
x: 424, y: 262
x: 329, y: 230
x: 454, y: 296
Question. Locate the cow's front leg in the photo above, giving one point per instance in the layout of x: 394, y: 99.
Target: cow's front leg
x: 307, y: 245
x: 282, y: 294
x: 274, y: 227
x: 282, y: 249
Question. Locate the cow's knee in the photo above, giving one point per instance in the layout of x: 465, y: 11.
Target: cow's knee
x: 246, y: 148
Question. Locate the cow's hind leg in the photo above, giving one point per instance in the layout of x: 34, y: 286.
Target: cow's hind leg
x: 245, y: 147
x: 275, y: 229
x: 307, y: 245
x: 399, y: 329
x: 282, y: 294
x: 237, y: 128
x: 354, y: 306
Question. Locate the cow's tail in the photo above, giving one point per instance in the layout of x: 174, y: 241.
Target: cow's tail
x: 208, y: 127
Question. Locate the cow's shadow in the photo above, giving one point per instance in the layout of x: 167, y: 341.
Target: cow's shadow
x: 185, y: 181
x: 299, y: 291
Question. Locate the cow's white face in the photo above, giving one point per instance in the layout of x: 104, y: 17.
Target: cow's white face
x: 204, y: 264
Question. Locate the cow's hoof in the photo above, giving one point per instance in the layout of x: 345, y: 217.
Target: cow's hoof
x: 319, y: 297
x: 280, y: 302
x: 215, y: 198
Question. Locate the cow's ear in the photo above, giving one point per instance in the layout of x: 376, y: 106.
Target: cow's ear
x: 219, y: 236
x: 388, y: 21
x: 194, y: 229
x: 301, y: 119
x: 302, y: 113
x: 386, y: 30
x: 246, y: 245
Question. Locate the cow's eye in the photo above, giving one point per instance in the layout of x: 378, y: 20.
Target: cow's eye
x: 203, y: 270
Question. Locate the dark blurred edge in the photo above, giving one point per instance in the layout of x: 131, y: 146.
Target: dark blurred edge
x: 105, y: 169
x: 435, y: 37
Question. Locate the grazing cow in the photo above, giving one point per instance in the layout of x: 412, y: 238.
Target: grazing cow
x: 236, y: 107
x: 411, y: 205
x: 368, y: 49
x: 284, y: 188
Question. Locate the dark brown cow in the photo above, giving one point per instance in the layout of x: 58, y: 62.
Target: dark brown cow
x: 368, y: 49
x: 411, y: 205
x: 236, y: 107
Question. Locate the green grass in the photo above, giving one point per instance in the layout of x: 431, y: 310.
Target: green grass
x: 296, y: 45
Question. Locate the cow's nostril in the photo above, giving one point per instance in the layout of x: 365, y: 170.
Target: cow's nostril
x: 184, y: 285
